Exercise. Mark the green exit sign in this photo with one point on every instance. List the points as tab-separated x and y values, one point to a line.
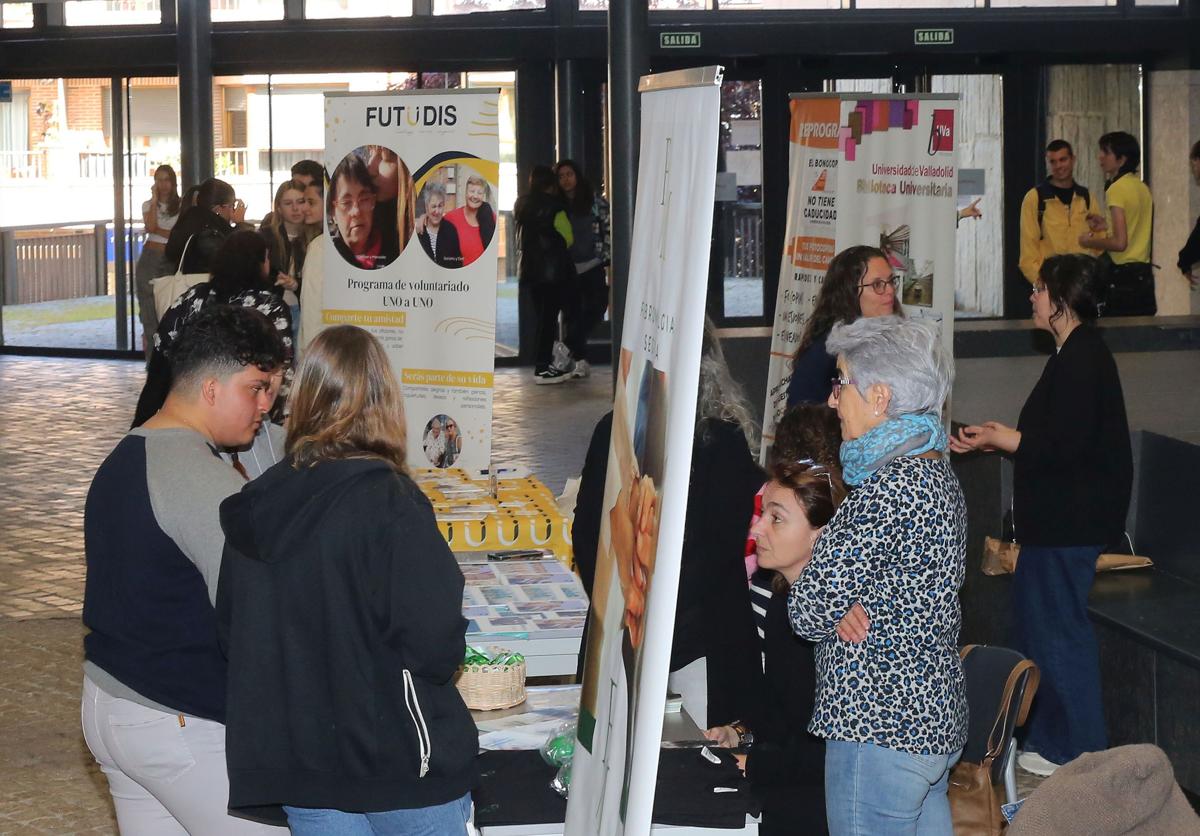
679	40
933	37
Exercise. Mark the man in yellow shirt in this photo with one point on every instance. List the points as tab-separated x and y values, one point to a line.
1054	213
1131	210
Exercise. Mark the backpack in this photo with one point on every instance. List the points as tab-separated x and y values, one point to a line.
1046	192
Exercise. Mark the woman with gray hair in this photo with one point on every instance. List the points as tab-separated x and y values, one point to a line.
880	596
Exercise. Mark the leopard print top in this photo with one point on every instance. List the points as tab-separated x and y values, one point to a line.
897	546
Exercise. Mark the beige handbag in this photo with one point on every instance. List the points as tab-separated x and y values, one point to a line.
169	288
1000	558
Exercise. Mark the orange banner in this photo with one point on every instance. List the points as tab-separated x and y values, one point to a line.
815	122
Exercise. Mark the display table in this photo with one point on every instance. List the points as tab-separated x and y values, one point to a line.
532	607
514	797
522	515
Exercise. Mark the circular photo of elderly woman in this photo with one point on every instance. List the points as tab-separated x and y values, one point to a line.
441	441
370	207
455	217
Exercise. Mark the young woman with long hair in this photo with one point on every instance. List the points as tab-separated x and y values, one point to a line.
159	215
340	606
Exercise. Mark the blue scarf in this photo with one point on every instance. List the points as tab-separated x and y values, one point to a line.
908	435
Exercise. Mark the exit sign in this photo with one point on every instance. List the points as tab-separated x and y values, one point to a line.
679	40
933	37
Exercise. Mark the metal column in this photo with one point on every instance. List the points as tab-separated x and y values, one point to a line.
120	262
569	112
194	38
628	27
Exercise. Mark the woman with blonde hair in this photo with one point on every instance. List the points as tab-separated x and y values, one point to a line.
474	220
339	606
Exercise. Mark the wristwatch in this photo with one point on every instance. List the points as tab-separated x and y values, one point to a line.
745	736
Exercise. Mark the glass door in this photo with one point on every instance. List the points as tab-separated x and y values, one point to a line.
56	215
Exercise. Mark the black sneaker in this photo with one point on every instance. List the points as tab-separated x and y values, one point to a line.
551	375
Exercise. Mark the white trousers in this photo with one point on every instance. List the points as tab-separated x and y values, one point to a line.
166	777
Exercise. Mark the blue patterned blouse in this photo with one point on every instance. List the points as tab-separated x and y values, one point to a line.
896	545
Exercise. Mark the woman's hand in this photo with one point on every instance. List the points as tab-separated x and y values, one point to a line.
1096	223
854	625
723	736
287	282
971	210
239	211
741	763
986	437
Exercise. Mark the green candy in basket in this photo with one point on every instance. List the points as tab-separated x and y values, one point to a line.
491	679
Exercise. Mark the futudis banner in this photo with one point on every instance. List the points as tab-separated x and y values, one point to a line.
410	214
865	169
649	460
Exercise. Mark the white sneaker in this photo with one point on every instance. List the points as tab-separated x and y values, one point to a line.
582	369
551	376
1035	764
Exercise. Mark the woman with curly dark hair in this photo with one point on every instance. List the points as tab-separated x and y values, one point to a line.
859	283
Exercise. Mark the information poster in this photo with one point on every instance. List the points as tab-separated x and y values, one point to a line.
411	256
865	169
649	462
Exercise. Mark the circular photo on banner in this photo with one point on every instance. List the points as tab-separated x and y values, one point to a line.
442	441
370	207
455	220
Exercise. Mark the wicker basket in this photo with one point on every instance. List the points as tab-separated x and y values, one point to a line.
487	687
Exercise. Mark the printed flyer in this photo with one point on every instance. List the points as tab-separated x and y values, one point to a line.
878	170
412	254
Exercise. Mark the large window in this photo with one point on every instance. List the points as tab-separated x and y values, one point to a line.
317	9
979	274
16	15
739	219
56	210
109	13
234	10
462	7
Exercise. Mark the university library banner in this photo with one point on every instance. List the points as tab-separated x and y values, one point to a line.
412	254
865	169
649	460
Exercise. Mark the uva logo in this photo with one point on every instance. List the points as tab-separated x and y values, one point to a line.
941	132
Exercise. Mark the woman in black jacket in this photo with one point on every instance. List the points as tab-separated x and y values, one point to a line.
779	755
215	215
714	654
1073	472
546	268
340	606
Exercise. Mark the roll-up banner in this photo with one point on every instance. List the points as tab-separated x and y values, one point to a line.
865	169
410	213
649	461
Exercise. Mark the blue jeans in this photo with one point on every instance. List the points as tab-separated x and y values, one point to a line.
1051	627
440	820
874	791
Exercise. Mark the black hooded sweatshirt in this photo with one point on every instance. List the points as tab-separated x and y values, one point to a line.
340	609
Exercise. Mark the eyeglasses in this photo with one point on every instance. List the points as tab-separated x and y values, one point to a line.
1038	287
880	286
365	203
838	383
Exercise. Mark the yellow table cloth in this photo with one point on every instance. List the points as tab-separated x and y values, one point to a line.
522	515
